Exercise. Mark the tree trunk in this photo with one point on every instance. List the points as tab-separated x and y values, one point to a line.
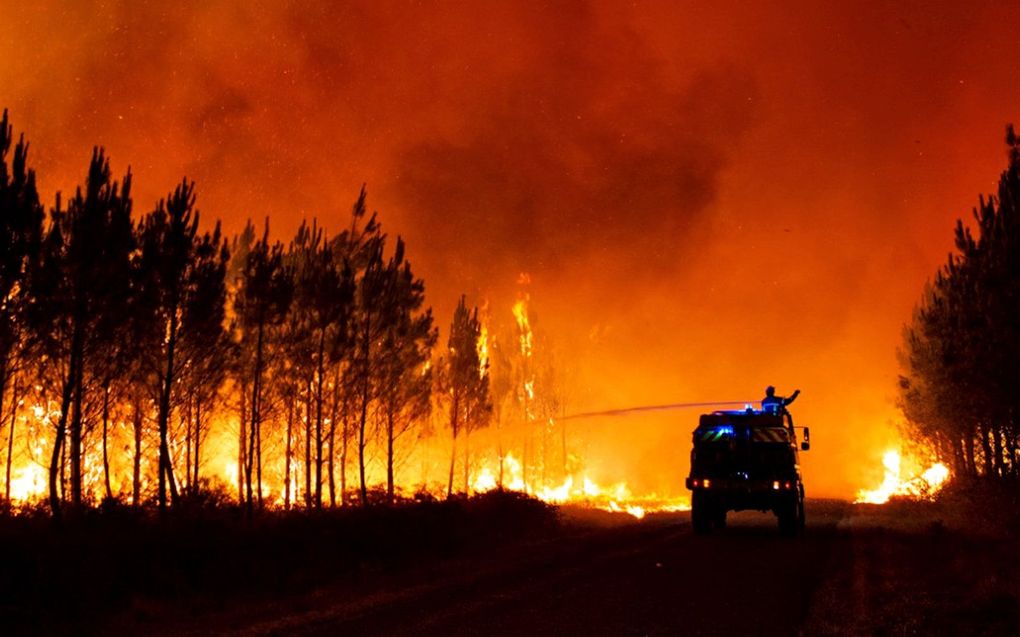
997	456
286	462
242	445
75	448
258	456
106	458
344	440
165	473
56	477
198	443
10	439
389	455
361	435
63	475
14	410
361	443
253	433
453	461
136	473
366	372
308	446
467	460
187	443
333	416
454	416
257	423
321	372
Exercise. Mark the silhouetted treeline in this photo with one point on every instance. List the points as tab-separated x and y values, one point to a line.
960	389
110	317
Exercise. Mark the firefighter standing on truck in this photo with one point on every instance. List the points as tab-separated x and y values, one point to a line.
776	404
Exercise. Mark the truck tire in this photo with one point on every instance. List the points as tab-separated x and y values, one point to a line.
701	514
719	517
789	515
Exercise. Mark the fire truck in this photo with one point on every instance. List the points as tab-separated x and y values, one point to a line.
747	460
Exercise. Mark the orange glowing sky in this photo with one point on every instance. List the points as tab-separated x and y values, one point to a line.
709	197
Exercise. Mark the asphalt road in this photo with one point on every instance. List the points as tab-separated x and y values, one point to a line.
858	571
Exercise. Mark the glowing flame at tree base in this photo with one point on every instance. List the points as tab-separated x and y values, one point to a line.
584	492
921	487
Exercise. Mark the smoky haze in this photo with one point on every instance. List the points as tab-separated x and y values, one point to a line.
707	200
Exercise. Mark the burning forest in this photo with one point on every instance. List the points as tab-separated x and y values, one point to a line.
174	364
389	317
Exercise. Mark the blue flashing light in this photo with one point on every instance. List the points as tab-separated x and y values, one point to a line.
725	429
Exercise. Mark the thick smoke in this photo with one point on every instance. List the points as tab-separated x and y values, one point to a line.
592	153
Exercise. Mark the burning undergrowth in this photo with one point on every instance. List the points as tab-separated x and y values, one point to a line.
901	483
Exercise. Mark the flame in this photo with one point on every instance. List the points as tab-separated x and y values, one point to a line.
483	349
921	487
586	492
520	311
230	474
530	471
28	483
29	477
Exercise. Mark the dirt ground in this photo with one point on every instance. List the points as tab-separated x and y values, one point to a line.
857	570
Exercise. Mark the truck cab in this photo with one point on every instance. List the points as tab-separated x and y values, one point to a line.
747	460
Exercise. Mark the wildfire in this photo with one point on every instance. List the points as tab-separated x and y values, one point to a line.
923	487
520	310
28	483
616	498
530	470
483	349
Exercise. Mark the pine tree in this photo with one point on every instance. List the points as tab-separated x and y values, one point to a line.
206	349
325	295
466	383
407	338
961	353
79	294
21	217
170	245
262	304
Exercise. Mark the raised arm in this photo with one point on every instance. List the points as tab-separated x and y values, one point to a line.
792	397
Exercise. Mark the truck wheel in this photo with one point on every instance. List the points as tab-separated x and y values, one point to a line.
789	519
701	515
719	518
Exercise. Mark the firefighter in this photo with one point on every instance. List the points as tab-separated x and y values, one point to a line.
774	403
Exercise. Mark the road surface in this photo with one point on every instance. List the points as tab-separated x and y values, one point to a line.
854	571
